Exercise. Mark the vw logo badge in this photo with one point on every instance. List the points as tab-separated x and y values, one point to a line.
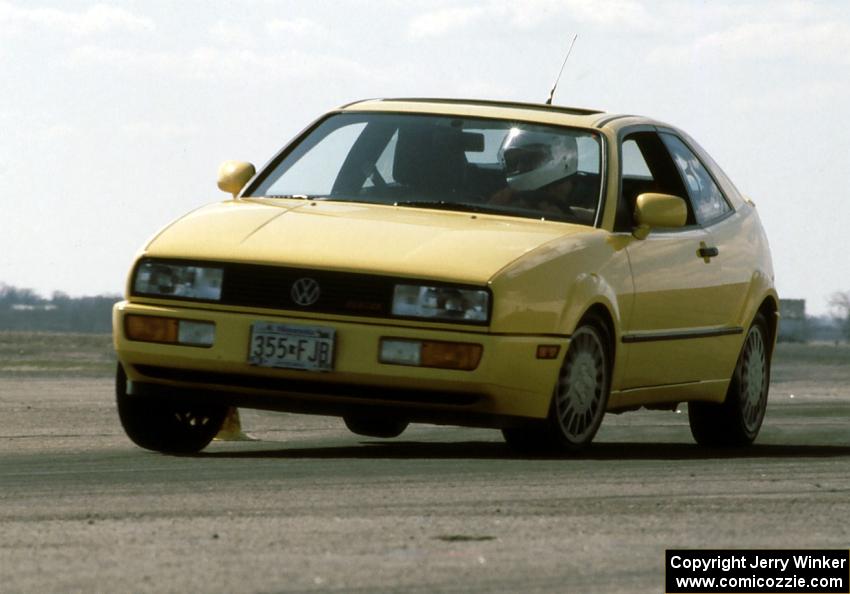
305	292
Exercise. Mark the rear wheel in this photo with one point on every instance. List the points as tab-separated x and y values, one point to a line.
161	425
375	426
737	421
579	399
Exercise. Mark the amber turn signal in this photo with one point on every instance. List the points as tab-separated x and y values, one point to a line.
169	330
451	355
548	351
430	353
151	329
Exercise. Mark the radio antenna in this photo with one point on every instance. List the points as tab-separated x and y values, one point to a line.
555	86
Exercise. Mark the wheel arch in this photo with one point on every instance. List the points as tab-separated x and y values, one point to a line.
769	308
760	297
590	292
599	315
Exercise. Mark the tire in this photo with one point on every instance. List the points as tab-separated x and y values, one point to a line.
579	399
385	427
160	425
738	419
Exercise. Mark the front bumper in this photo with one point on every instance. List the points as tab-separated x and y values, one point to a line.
510	381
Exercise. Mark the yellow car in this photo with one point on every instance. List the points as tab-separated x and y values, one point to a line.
491	264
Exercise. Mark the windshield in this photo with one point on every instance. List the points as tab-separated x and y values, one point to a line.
450	163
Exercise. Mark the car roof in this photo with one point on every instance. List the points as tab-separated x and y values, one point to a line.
533	112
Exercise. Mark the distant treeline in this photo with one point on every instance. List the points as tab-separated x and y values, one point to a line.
24	309
813	329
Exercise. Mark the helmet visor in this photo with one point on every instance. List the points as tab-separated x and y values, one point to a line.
525	158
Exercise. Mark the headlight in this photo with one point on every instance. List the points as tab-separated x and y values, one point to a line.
178	280
443	303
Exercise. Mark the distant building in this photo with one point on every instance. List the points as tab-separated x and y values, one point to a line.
792	321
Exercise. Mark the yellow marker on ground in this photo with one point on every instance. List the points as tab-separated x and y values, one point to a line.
231	429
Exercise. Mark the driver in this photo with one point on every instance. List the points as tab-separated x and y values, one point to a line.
539	169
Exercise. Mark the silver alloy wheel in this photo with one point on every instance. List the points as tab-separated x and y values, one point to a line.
753	379
582	385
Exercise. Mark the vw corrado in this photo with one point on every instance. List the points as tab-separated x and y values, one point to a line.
516	266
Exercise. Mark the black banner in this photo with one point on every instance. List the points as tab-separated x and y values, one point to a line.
757	571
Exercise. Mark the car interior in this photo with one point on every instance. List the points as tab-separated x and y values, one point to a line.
659	174
433	162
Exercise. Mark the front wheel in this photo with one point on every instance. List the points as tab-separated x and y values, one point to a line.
578	401
162	425
737	421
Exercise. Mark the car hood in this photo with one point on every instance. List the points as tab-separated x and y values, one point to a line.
369	238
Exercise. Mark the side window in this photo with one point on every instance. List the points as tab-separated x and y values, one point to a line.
634	165
707	199
646	166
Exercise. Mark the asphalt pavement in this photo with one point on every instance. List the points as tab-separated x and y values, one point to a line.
307	506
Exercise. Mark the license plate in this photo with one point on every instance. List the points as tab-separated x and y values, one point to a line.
291	347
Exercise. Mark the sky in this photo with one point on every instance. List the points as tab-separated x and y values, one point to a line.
115	116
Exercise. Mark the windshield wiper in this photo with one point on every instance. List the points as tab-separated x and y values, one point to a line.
503	210
293	196
448	205
317	197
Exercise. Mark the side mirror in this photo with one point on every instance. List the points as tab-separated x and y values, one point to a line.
233	175
658	210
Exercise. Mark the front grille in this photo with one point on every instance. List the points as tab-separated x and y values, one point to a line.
339	292
303	387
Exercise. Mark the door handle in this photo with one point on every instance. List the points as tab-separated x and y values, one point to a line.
707	253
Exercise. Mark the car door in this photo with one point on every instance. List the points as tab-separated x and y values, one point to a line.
728	242
678	314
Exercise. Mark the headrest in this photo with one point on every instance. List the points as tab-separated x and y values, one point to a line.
430	158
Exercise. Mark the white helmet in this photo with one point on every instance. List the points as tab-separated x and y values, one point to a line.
531	160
